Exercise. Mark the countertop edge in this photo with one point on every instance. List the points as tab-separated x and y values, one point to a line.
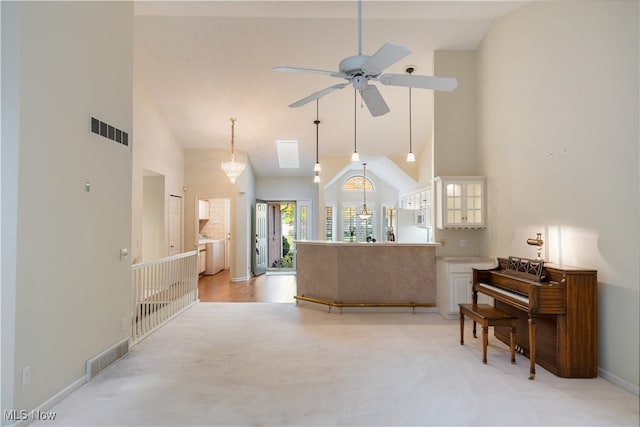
372	244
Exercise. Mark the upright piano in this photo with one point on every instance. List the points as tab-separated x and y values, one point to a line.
556	307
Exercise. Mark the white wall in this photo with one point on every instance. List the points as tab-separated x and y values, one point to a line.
559	140
155	150
71	287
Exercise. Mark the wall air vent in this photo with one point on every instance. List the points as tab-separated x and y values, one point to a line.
98	363
104	129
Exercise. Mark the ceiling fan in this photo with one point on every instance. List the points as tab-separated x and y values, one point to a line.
360	69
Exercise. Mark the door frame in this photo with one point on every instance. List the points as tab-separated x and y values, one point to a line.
260	241
172	240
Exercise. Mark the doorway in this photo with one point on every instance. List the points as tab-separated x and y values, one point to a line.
278	224
213	223
281	231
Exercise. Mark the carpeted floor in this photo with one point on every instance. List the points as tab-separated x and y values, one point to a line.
268	364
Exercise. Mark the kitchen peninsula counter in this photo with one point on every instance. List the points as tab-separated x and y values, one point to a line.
353	274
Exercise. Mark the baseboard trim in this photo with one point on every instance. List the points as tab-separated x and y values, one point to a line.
631	388
53	400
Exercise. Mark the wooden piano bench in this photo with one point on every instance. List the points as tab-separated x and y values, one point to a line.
488	315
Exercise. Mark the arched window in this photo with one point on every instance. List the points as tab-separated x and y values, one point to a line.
356	182
353	227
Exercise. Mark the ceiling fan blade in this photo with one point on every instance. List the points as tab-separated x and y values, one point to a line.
386	56
446	84
375	101
317	95
303	70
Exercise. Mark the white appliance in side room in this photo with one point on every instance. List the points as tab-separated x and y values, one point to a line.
215	257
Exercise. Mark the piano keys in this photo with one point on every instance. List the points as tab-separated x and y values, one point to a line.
556	307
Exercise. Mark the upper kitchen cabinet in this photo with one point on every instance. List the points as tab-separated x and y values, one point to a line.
419	199
460	202
203	209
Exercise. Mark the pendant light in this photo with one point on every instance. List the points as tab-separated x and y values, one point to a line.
232	169
355	157
317	168
410	156
364	211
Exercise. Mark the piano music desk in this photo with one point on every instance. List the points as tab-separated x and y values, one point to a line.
487	315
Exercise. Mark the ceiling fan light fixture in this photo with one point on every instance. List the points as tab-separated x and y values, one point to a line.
361	69
232	169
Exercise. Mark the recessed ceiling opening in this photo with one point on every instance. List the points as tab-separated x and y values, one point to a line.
287	153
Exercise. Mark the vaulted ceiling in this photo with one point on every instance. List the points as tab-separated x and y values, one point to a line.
204	62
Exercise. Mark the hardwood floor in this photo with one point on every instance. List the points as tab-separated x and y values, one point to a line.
264	288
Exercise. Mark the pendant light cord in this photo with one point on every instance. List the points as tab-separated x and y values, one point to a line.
364	185
317	122
233	122
410	144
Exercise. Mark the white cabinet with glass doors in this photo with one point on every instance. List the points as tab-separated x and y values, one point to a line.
460	202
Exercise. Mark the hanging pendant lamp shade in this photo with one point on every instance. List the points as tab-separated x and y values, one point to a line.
364	211
232	169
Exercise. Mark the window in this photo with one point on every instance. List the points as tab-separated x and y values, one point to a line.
356	182
328	223
303	223
355	229
390	220
349	224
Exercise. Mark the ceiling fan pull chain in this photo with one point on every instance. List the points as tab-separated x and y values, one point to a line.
355	157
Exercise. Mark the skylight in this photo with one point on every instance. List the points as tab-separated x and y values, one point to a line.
287	153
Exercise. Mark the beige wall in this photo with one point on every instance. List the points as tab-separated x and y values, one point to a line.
71	288
454	115
455	146
156	151
153	228
205	179
558	135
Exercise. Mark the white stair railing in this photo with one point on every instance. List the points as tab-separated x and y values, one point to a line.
161	289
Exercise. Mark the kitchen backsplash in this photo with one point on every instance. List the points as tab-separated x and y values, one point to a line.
215	227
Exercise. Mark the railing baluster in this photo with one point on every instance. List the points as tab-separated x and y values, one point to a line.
160	290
